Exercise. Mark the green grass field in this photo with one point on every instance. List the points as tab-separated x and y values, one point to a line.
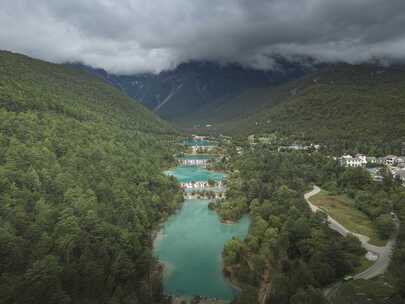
341	209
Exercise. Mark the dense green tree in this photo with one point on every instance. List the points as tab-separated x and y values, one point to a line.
310	296
287	244
81	188
385	226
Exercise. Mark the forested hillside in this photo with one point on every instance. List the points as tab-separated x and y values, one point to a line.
80	188
344	106
290	254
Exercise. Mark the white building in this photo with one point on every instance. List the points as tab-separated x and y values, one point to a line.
353	162
194	185
200	185
389	160
193	162
362	158
299	147
198	137
202	148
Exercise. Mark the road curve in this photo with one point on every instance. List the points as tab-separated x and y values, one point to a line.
383	253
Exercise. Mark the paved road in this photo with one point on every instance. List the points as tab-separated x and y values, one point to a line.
383	253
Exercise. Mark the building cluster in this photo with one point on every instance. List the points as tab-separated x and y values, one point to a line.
199	137
197	185
193	162
361	160
396	164
200	148
299	147
200	144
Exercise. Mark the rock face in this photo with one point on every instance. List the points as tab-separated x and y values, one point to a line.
191	86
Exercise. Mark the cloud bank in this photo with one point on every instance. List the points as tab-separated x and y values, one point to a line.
133	36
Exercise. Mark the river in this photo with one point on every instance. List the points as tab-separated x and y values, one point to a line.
190	244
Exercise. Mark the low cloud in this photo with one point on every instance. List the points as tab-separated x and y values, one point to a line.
133	36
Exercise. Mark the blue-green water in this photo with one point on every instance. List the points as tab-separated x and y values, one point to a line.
201	143
189	174
190	245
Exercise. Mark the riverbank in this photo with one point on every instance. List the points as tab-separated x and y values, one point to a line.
230	276
227	222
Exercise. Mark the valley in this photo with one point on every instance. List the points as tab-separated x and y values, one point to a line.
202	152
196	87
190	243
187	228
232	220
347	107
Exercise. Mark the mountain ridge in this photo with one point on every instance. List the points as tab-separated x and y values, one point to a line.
344	106
188	88
314	104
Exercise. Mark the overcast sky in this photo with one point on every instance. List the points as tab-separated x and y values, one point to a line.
131	36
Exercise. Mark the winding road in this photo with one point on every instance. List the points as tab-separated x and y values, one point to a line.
383	253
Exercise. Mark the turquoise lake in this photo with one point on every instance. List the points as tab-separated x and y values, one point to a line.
191	241
190	246
201	143
189	174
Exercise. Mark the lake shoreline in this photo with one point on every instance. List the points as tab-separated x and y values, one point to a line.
205	273
195	255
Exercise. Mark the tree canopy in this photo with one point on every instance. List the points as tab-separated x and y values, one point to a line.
81	188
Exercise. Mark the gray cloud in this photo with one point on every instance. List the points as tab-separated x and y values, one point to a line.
130	36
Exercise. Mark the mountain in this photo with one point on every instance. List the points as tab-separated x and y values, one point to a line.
81	188
178	94
345	106
61	89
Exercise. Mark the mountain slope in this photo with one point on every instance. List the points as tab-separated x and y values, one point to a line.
179	94
341	105
359	107
57	88
81	188
219	113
